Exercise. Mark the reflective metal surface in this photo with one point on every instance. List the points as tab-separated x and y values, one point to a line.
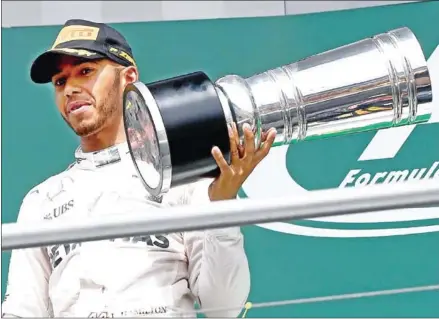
374	83
148	141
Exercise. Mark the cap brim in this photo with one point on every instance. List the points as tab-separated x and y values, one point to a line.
45	66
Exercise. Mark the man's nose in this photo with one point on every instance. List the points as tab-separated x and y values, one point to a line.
71	88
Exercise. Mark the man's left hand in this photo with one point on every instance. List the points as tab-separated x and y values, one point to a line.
244	159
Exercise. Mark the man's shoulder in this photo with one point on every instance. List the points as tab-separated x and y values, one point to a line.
45	187
33	206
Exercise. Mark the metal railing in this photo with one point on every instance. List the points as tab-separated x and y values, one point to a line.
321	203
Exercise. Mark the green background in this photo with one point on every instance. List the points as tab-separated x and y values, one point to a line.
37	144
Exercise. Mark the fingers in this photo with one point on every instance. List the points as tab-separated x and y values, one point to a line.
243	157
238	142
234	152
249	138
264	136
266	146
220	160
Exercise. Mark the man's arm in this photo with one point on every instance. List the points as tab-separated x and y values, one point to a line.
29	271
219	273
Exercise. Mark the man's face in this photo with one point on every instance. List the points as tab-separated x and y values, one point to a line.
88	94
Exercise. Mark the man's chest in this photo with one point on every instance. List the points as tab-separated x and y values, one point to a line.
79	198
134	250
82	195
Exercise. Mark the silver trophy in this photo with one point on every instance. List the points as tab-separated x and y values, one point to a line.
375	83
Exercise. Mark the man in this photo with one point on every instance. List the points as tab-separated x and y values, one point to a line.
89	66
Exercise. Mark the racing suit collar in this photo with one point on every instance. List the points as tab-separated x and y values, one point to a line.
104	157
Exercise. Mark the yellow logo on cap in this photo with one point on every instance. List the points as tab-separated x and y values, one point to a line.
122	54
76	32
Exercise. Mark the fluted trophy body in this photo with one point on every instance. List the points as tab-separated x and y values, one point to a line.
375	83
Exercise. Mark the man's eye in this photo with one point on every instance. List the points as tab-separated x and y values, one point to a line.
85	71
59	82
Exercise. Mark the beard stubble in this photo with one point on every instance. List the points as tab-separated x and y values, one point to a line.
106	110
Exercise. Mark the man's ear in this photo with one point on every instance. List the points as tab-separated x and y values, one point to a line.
130	74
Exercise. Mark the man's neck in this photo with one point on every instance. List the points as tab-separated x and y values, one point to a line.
103	139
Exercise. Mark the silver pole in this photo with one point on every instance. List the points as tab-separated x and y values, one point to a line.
321	203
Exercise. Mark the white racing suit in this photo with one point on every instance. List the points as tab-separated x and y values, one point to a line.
160	275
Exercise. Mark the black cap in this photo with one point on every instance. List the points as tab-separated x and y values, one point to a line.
87	40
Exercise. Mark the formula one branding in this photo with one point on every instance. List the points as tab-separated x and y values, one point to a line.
360	177
385	157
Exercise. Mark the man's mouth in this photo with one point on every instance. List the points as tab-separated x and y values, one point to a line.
76	107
